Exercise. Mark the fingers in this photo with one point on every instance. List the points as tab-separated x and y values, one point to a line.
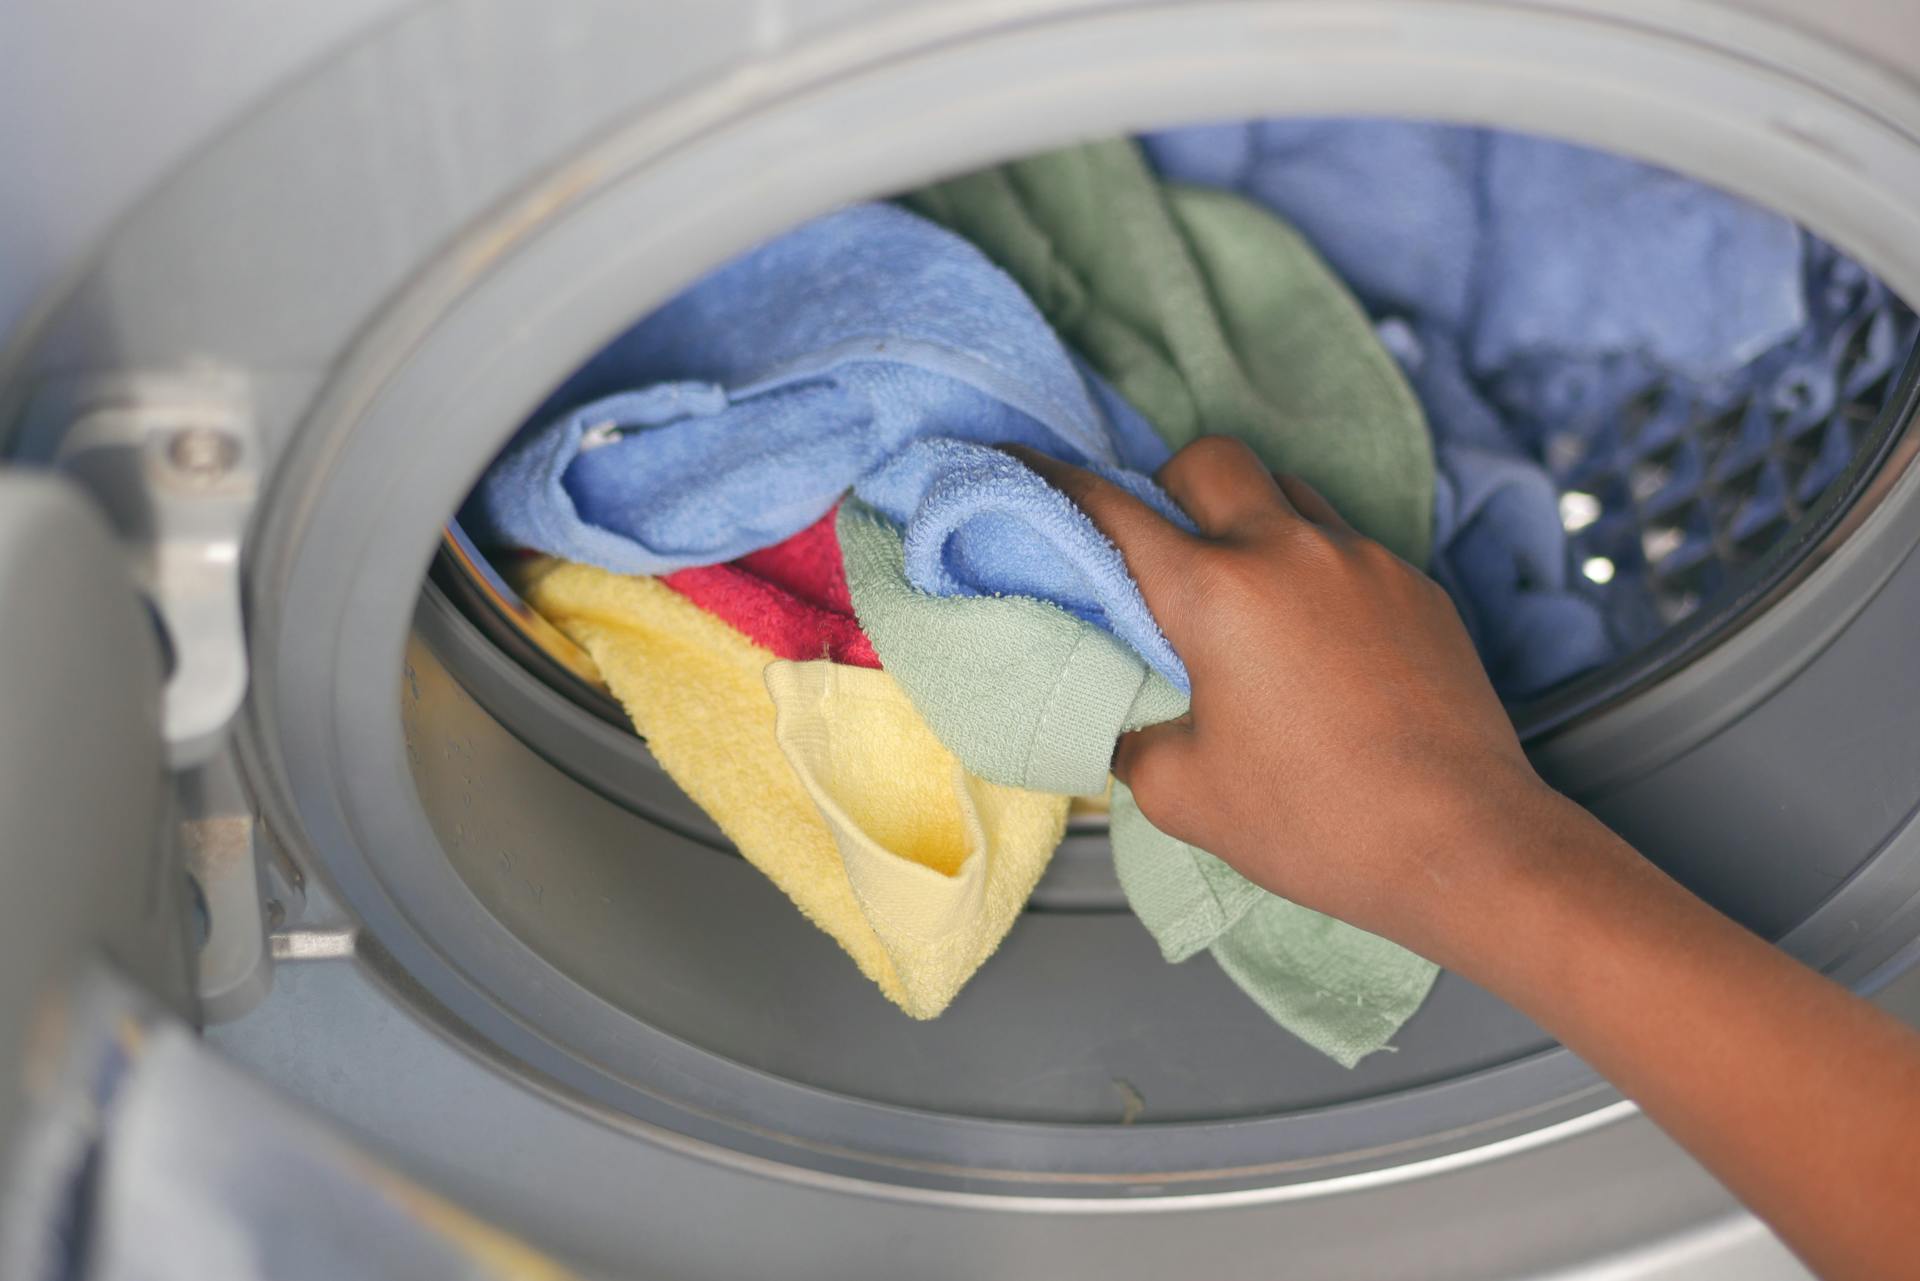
1153	761
1155	549
1307	501
1223	485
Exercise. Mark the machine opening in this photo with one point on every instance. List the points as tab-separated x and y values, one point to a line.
1637	427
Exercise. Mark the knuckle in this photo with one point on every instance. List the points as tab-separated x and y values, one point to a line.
1210	455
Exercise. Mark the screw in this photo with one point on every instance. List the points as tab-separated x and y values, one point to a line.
202	453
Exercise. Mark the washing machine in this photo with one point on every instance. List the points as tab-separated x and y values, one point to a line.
275	760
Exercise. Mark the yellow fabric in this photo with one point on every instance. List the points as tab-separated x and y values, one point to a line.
841	795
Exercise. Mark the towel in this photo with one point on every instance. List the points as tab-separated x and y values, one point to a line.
1021	691
1211	316
824	778
1028	696
1340	989
790	598
940	861
895	355
983	523
1519	245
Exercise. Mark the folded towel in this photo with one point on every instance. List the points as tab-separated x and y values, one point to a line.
1028	696
836	792
1520	245
871	349
1211	316
790	598
940	861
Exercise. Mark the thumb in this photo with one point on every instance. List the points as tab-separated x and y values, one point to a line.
1157	552
1154	763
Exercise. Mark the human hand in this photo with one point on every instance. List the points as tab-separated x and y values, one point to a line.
1344	748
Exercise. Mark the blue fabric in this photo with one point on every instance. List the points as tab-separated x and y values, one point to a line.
1526	285
1756	446
1506	565
1501	547
974	515
869	349
1517	244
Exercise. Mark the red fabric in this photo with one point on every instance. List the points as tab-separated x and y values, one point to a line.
790	598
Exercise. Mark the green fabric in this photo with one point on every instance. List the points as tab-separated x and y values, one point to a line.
1210	316
1024	693
1027	695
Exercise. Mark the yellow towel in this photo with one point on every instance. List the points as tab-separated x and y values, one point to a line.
823	776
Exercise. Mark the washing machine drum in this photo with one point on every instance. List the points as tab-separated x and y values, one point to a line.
314	336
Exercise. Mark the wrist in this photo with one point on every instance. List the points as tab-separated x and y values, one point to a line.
1527	869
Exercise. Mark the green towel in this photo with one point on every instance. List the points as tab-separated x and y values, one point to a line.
1029	696
1210	316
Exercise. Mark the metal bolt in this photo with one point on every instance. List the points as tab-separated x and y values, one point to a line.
202	453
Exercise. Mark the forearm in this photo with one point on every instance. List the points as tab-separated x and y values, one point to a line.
1803	1099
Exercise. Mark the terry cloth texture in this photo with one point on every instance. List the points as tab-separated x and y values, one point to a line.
1212	317
830	784
790	598
895	355
1026	695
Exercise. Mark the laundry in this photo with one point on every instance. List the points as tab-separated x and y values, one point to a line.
983	523
1212	317
1521	272
1729	460
790	598
1026	695
1338	988
823	777
1021	691
1504	557
1521	246
940	861
896	355
1506	568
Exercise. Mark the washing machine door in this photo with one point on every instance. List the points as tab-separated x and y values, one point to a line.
96	919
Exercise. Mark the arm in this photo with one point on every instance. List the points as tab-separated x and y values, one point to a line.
1345	750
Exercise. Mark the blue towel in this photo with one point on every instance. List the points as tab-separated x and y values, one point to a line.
1498	516
1517	244
869	349
974	515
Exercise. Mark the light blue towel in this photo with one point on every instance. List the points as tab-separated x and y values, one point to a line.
869	349
973	515
1520	245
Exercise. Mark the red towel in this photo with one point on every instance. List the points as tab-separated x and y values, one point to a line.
790	598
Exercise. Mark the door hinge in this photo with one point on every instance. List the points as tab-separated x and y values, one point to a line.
175	462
